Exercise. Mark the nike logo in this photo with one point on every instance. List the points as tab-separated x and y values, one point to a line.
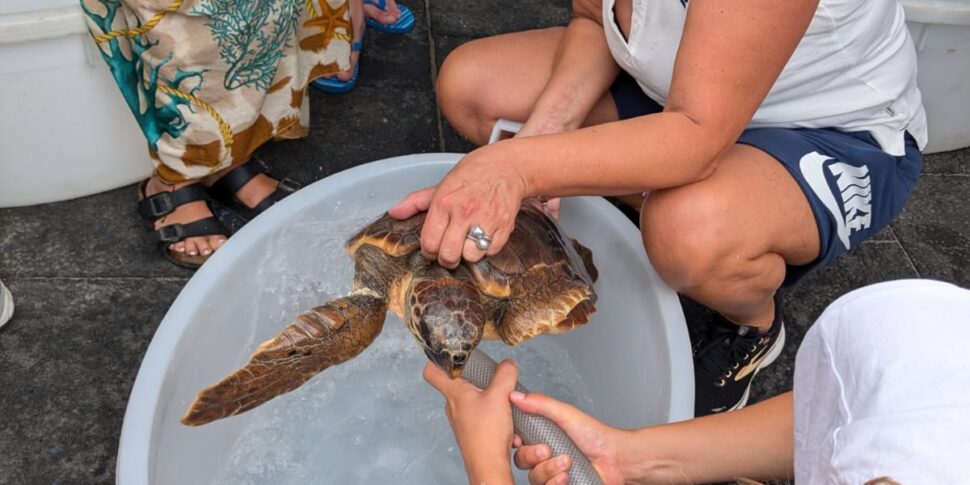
854	189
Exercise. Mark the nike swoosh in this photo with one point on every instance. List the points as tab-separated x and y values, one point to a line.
812	169
755	362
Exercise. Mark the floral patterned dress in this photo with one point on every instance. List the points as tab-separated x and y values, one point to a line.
209	81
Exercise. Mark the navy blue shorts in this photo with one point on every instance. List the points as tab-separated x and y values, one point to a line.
854	188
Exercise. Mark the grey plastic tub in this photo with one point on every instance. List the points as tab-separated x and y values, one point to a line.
633	358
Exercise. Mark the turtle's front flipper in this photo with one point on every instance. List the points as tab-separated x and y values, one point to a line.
325	336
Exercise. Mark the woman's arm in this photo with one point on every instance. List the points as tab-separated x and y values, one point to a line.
754	442
730	55
582	72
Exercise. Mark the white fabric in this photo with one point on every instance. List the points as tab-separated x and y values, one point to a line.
882	388
854	70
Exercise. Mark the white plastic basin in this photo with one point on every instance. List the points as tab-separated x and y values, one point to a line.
633	358
941	32
65	131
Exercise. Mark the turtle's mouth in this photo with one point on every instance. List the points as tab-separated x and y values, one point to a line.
450	362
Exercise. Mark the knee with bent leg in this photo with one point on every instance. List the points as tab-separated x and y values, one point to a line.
684	237
463	94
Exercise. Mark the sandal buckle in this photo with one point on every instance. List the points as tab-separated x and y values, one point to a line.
171	233
289	185
160	204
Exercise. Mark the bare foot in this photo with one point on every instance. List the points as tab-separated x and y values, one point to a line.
387	16
186	214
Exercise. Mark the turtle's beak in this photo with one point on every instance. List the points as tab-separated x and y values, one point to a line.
451	363
457	364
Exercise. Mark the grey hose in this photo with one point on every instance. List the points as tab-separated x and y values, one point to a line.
531	428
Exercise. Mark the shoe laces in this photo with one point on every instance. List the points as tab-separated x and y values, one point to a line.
728	348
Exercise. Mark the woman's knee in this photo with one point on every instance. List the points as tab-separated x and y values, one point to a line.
462	91
686	238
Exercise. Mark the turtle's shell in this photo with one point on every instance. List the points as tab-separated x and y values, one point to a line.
543	278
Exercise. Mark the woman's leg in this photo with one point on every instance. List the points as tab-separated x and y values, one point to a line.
502	77
725	241
206	108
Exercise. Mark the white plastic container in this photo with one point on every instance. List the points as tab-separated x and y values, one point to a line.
634	356
941	32
65	130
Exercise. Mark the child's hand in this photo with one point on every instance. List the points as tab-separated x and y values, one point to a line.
600	443
481	421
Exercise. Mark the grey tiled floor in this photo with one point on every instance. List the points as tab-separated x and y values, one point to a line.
90	293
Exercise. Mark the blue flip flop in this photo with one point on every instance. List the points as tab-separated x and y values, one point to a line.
334	85
403	24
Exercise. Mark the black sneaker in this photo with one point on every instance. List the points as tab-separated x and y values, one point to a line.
727	358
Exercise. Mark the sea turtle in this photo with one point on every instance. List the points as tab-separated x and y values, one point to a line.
541	282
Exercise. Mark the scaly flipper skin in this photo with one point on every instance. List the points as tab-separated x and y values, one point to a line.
323	337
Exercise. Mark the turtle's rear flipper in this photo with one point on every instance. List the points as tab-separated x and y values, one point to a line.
325	336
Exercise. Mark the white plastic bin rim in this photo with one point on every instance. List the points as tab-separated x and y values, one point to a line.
41	20
951	12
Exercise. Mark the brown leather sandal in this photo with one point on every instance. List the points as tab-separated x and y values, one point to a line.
153	207
224	190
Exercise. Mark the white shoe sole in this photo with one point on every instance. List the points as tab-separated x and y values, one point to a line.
770	358
7	312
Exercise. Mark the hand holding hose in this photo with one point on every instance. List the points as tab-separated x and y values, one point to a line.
482	423
600	443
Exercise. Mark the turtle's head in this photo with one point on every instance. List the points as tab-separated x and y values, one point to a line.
447	318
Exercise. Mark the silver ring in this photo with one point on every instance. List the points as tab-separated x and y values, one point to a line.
482	240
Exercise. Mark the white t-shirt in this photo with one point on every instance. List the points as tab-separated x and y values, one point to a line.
882	388
854	70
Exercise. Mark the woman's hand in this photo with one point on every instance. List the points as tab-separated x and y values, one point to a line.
484	189
601	444
481	421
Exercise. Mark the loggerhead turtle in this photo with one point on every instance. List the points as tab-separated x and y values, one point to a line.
541	282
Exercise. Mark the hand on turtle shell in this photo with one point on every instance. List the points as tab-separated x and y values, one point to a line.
481	190
600	443
480	419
